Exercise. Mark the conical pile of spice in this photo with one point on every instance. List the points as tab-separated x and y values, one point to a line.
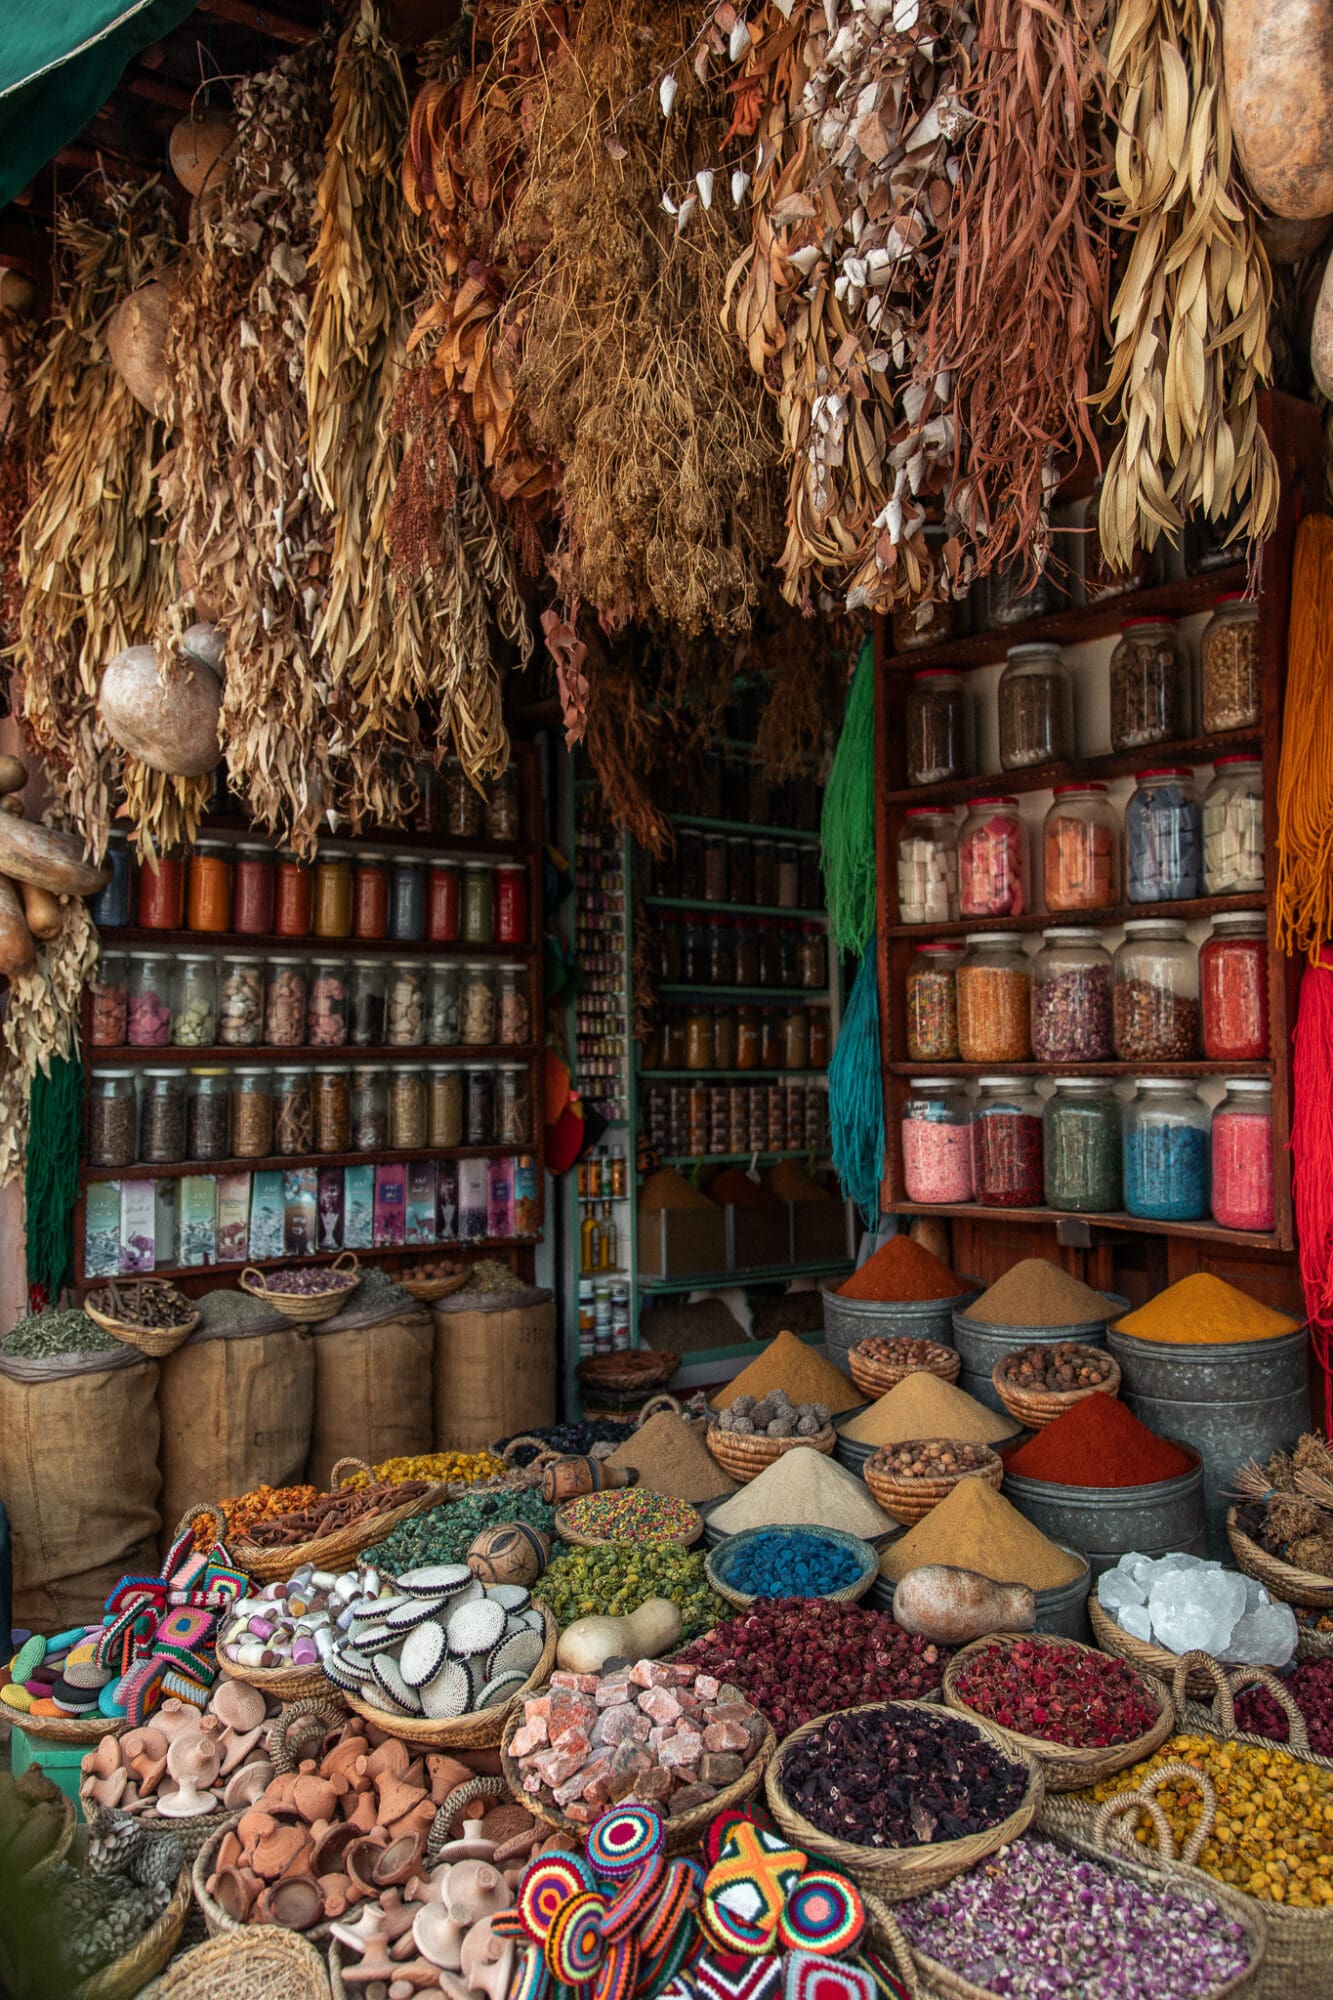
734	1189
1036	1292
806	1489
790	1182
902	1271
976	1528
1201	1310
1098	1442
922	1406
668	1189
670	1457
787	1363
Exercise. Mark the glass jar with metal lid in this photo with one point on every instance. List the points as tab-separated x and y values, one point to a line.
407	900
1166	1151
1156	993
994	987
927	867
162	1124
1011	595
253	903
109	1001
110	907
463	803
1072	998
1081	850
1164	838
241	1003
936	1141
332	910
405	1005
1233	828
407	1109
161	893
194	1002
366	1012
476	1027
252	1114
1036	705
370	1111
513	1019
208	898
112	1118
478	903
1233	987
208	1115
1242	1155
333	1108
294	892
934	727
1081	1147
148	1008
479	1127
445	1083
293	1112
513	1109
1150	685
1006	1144
1230	671
500	813
285	1002
993	860
327	1002
370	895
442	1006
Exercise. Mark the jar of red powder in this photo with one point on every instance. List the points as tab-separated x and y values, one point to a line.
253	891
1242	1195
1233	988
1006	1144
936	1143
162	893
293	897
442	902
209	899
993	860
511	905
370	896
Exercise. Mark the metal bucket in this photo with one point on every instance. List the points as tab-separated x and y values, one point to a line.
1109	1521
1063	1611
847	1321
1238	1400
981	1344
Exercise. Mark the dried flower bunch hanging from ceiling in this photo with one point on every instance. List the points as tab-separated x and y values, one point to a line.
41	1024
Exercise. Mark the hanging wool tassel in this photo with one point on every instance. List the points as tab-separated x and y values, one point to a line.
1312	1161
51	1183
847	829
856	1093
1303	896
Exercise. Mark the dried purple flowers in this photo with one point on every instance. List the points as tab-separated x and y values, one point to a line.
900	1777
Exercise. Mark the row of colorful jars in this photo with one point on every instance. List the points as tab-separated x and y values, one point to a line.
706	1038
1162	1157
1151	696
715	951
737	868
1176	845
150	1000
1159	999
246	890
165	1117
714	1118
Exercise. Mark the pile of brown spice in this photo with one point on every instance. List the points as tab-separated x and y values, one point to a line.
922	1406
1036	1292
976	1528
790	1182
671	1458
668	1189
787	1363
734	1189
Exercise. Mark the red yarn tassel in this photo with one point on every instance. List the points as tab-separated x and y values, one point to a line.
1312	1161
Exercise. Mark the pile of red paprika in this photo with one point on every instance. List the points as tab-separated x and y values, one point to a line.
1097	1442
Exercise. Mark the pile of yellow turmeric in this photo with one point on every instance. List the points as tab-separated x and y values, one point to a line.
1202	1310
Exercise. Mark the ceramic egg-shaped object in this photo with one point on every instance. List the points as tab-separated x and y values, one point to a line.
511	1552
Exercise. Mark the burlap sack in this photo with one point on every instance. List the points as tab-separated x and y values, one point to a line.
495	1367
372	1387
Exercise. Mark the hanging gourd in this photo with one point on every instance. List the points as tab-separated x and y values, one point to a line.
197	148
1321	336
1278	63
171	725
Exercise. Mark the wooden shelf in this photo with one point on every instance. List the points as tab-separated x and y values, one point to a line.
144	1170
368	1258
1076	626
421	1056
783	833
235	827
720	1281
1124	1071
728	1075
229	945
976	1211
1199	909
1079	770
733	909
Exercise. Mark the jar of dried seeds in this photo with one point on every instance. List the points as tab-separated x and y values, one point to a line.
112	1119
512	1106
333	1109
1156	1002
1036	707
370	1114
446	1106
407	1109
477	1008
293	1113
162	1118
1150	685
1071	998
512	1005
1230	674
252	1114
994	997
208	1115
932	1003
934	726
366	1023
1081	1147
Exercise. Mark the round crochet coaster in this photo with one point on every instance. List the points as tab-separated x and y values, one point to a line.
621	1840
824	1914
574	1943
635	1899
548	1884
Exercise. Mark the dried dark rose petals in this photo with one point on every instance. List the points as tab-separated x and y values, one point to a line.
1041	1688
900	1777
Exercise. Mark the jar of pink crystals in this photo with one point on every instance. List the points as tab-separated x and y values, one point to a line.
936	1141
993	860
1242	1195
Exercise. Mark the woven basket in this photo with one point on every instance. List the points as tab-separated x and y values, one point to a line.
127	1976
64	1840
582	1541
430	1289
683	1830
306	1307
1035	1408
101	1308
333	1551
480	1730
742	1600
899	1873
279	1683
744	1458
627	1376
910	1500
875	1378
1281	1579
1068	1767
1312	1645
264	1962
84	1730
1141	1653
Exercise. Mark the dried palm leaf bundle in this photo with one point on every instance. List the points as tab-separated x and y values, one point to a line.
1021	278
94	574
42	1023
1190	318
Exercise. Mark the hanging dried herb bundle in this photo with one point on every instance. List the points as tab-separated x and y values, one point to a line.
1020	284
42	1023
18	444
94	575
1190	318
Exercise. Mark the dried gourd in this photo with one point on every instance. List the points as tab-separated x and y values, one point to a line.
1278	65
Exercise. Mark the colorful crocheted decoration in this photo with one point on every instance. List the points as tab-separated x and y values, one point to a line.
574	1943
726	1976
532	1976
619	1974
548	1884
621	1840
811	1976
678	1895
823	1914
636	1898
747	1887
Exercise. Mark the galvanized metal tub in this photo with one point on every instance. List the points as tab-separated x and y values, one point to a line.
1063	1611
847	1321
850	1452
1238	1400
981	1344
1109	1521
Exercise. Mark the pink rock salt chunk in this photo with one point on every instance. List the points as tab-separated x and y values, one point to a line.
660	1704
586	1683
537	1708
581	1814
570	1718
641	1673
530	1737
654	1785
685	1747
725	1736
571	1789
619	1725
562	1679
532	1781
596	1780
611	1693
562	1764
706	1687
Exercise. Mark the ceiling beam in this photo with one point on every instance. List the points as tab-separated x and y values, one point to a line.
262	20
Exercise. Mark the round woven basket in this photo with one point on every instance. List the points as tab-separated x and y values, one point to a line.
721	1557
582	1541
101	1308
1281	1579
1035	1408
875	1378
744	1458
627	1376
279	1683
1067	1767
59	1848
1311	1644
480	1730
335	1551
261	1962
305	1307
1141	1653
683	1830
910	1500
126	1976
84	1730
899	1873
430	1289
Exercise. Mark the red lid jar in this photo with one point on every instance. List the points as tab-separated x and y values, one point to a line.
162	894
253	892
511	905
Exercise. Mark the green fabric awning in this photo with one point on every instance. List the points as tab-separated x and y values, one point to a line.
60	60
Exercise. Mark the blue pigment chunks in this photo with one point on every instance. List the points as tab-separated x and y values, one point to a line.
787	1564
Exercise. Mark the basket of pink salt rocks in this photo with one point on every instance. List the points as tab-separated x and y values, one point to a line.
655	1733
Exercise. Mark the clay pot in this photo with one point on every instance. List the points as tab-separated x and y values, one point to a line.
229	1852
438	1938
193	1760
342	1761
476	1890
240	1707
335	1891
488	1961
274	1854
359	1861
234	1890
110	1791
253	1826
394	1863
106	1759
246	1786
296	1903
332	1845
392	1757
314	1798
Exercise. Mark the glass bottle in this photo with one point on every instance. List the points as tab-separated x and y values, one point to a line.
1006	1144
1156	994
478	903
370	896
1233	828
1164	838
934	727
1081	1147
208	901
1036	705
936	1141
1150	685
1166	1153
1233	983
109	1001
1230	670
1081	850
442	1006
332	905
1242	1155
927	867
241	1003
327	1003
148	1008
370	1113
254	891
407	901
993	860
194	1002
285	1003
994	989
366	1019
1072	998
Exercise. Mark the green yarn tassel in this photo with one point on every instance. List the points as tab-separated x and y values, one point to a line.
847	827
856	1093
51	1187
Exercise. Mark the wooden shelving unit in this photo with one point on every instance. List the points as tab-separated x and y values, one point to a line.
1292	428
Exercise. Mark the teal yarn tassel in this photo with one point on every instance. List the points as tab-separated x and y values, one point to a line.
856	1093
51	1177
847	825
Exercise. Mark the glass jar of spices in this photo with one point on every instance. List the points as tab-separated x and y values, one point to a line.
935	1137
405	1005
690	864
932	1003
162	1117
512	1005
1242	1155
370	896
241	1003
927	867
162	894
513	1115
252	1114
1081	1147
1230	673
1036	705
443	902
993	860
695	952
715	868
1165	1153
770	1038
721	953
698	1039
1071	998
208	1115
747	954
795	1040
333	894
1156	994
333	1109
407	901
148	1008
446	1107
478	1105
110	907
933	727
366	1015
293	1113
724	1038
1164	838
478	903
327	1003
1233	983
463	803
747	1040
511	904
285	1003
1081	850
917	626
442	1006
812	958
254	891
1006	1144
109	1009
819	1037
770	953
765	862
1233	828
112	1118
208	900
500	813
789	876
1150	685
370	1111
194	1002
429	816
477	1007
1011	595
994	985
294	891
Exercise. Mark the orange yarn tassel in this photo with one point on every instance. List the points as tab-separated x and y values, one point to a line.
1303	895
1312	1162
